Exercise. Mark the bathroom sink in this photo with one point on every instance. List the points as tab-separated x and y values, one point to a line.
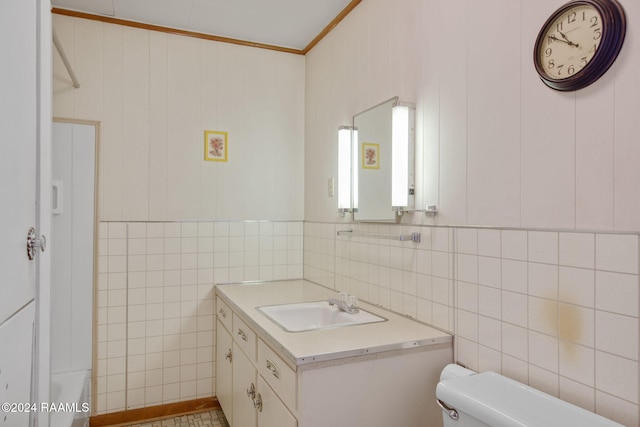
307	316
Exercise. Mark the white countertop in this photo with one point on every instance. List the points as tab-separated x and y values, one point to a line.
320	345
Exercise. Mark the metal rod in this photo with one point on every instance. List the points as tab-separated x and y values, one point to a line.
65	60
413	237
429	210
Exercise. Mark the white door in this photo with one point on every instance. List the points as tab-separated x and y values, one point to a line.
18	136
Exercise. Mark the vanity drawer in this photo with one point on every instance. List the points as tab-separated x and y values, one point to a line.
224	313
245	337
277	374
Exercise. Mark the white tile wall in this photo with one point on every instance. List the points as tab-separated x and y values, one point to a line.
556	310
414	279
155	301
569	318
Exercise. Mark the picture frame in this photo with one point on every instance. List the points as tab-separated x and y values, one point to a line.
370	155
215	146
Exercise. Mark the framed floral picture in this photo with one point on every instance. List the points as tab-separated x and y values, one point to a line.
215	146
370	155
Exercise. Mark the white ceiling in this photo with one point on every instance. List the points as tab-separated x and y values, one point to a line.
284	23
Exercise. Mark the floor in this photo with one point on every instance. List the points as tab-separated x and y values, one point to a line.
203	419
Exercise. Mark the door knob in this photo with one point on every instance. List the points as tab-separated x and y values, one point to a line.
34	242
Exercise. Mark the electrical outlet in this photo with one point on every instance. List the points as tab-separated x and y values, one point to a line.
331	187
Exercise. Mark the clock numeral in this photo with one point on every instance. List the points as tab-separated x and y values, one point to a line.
571	70
597	33
560	26
594	21
551	64
571	17
583	61
548	52
560	69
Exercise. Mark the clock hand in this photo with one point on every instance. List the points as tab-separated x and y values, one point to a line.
569	42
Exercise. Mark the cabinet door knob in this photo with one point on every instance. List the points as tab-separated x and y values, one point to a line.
257	402
251	391
242	335
273	368
228	355
222	312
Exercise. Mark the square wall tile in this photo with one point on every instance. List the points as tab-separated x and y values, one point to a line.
514	276
543	280
617	252
489	243
576	286
514	244
543	351
576	324
577	250
515	341
467	241
490	271
543	247
577	363
617	376
617	293
617	334
514	308
543	315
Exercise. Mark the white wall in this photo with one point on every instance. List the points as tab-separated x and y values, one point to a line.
495	146
546	291
172	224
156	94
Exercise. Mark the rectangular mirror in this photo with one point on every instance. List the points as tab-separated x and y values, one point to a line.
383	168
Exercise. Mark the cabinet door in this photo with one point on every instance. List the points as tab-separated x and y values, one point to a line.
224	372
244	377
274	413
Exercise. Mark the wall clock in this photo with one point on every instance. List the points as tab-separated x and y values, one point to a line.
579	42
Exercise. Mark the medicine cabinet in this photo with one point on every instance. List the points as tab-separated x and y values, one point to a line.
376	162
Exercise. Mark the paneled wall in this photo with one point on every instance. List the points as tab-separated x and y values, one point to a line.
155	95
495	146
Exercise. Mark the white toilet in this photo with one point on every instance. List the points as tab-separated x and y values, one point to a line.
489	399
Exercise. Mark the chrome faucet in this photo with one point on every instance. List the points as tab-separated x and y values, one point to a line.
346	303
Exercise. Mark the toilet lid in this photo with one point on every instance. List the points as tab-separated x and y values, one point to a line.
502	402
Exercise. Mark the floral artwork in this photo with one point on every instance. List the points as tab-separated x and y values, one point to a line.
370	156
215	146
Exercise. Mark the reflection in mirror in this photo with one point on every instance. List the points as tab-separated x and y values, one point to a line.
345	148
383	147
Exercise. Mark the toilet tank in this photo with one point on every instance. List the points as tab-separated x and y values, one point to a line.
490	399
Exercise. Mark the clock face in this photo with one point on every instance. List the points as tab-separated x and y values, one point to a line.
570	41
579	42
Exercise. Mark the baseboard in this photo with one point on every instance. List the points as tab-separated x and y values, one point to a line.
154	412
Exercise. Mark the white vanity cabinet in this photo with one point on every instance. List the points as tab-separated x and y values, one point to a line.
245	397
376	375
